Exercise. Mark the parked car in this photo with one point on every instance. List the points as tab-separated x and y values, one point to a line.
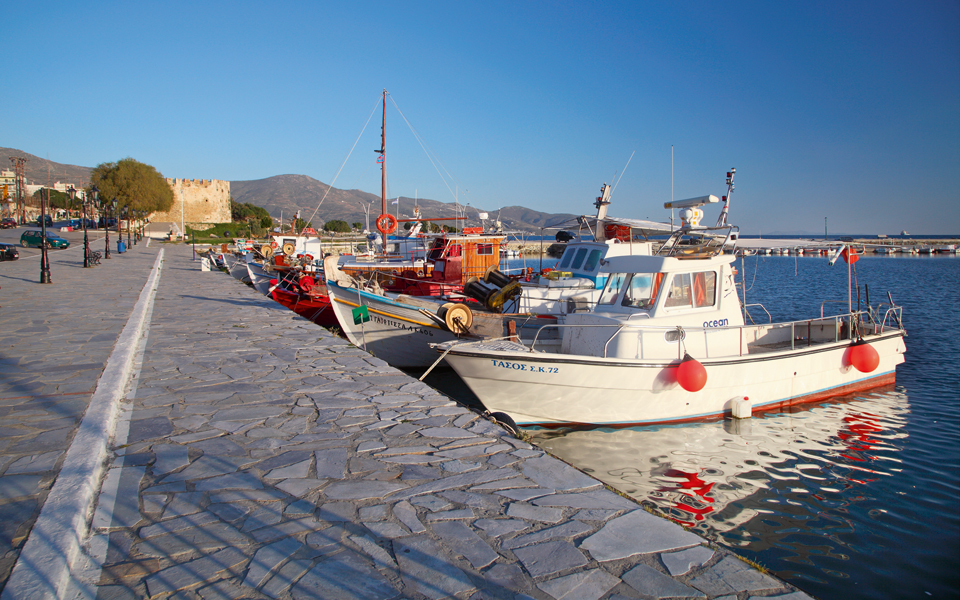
9	252
8	223
35	238
110	222
49	221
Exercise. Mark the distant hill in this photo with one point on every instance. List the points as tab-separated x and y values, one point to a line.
40	171
290	193
286	194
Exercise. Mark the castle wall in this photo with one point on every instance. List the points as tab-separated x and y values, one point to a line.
197	201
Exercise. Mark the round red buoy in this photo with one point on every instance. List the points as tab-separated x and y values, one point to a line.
863	357
691	375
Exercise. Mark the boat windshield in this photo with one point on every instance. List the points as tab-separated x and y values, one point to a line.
639	289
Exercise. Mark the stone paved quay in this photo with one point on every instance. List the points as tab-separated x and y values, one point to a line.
257	455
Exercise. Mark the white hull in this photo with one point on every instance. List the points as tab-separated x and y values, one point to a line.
239	270
259	278
536	388
395	333
400	334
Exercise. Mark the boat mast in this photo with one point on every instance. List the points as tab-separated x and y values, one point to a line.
382	158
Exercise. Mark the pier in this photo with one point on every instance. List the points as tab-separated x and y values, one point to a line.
169	432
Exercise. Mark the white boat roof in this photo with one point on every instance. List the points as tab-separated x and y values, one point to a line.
645	227
662	264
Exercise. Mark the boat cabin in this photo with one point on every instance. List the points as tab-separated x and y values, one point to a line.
579	268
646	299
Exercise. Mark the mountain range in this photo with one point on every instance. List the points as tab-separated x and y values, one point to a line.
284	195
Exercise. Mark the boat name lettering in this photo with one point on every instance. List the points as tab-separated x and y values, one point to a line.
391	323
523	367
716	323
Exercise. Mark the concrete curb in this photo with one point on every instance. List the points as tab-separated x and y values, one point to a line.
43	567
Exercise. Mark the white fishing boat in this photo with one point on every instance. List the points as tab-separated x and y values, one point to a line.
259	277
479	302
668	340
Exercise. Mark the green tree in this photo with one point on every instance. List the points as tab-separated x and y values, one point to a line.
337	225
358	226
56	199
133	184
266	222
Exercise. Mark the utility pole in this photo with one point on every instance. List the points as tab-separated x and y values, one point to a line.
20	187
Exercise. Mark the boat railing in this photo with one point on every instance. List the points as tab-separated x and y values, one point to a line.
764	309
892	315
825	302
795	334
707	246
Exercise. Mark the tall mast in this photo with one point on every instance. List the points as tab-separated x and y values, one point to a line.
382	160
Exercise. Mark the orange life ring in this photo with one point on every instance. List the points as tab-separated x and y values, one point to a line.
274	245
386	223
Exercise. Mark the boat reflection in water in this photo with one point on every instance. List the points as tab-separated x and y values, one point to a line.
777	488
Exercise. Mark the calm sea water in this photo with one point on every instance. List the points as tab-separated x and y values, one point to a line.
856	497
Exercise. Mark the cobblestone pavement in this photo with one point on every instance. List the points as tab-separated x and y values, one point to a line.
54	343
259	456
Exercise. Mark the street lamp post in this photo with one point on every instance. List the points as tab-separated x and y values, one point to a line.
111	204
119	232
129	213
44	261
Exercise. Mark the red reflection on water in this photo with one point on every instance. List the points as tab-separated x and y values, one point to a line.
857	435
694	488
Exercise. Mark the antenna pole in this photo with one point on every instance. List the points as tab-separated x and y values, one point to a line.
722	220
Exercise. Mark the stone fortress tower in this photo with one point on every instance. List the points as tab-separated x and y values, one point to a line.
197	201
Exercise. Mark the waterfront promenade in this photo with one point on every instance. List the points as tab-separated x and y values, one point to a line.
259	456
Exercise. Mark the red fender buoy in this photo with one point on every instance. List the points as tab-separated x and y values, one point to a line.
863	357
691	375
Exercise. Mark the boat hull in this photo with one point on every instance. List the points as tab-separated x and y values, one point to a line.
400	334
395	333
315	307
546	389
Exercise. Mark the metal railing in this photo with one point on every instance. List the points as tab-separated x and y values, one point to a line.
840	325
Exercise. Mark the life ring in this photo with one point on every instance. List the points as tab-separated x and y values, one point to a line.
386	223
274	244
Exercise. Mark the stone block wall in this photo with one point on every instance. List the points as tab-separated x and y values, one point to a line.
197	201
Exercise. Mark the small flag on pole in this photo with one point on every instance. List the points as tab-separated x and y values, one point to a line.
397	201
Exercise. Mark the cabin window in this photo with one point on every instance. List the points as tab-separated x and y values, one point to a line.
484	249
704	289
578	260
613	287
640	290
592	261
692	290
565	260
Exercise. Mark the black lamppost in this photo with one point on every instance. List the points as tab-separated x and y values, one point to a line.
83	218
129	214
112	205
119	231
44	261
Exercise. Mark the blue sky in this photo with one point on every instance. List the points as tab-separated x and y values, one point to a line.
848	111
